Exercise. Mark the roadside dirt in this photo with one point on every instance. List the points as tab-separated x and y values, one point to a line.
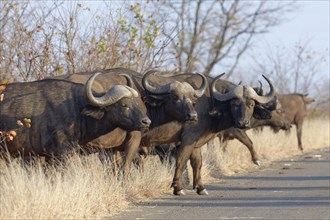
297	188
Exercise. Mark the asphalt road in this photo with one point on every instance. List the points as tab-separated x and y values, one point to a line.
298	188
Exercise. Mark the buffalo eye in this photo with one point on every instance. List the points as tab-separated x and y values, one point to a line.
124	105
250	104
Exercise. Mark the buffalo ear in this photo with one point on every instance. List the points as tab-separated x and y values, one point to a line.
261	113
93	112
153	100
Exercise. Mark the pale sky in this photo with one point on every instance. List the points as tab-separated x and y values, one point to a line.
310	23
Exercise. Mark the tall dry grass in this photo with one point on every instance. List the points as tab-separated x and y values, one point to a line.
85	188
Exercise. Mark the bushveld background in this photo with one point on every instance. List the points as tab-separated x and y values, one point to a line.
39	40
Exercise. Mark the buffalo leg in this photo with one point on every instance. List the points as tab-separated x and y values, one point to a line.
131	146
196	164
299	134
224	145
118	159
184	153
244	139
111	158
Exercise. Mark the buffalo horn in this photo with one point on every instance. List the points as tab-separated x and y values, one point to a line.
128	79
266	98
219	96
159	91
259	89
113	95
199	92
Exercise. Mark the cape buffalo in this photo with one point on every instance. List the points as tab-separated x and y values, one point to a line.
291	110
127	141
164	98
295	109
278	119
64	114
233	106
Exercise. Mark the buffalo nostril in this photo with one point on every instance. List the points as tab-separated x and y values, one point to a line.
146	121
243	123
192	116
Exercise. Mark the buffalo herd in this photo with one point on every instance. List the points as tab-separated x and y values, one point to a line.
125	111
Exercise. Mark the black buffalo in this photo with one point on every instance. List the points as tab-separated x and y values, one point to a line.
64	114
218	109
164	99
277	119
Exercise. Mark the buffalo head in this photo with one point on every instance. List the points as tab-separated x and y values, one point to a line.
177	98
118	105
277	117
243	100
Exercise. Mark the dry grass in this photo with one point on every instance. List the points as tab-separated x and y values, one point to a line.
85	188
269	146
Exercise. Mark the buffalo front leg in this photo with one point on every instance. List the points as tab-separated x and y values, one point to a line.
244	139
111	159
299	134
184	153
196	164
131	146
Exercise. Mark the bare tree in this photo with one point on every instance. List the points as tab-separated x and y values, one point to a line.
218	33
298	70
25	42
295	70
38	40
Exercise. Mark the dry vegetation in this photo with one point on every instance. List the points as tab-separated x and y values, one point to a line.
269	146
84	188
39	40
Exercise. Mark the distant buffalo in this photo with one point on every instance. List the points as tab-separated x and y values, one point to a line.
295	109
290	109
64	114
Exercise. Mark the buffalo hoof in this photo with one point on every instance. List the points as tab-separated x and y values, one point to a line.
257	162
202	192
179	193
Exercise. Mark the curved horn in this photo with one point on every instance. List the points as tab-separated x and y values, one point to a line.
133	91
150	88
128	79
217	95
114	94
266	98
199	92
259	89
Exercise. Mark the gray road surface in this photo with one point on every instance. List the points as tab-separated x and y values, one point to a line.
291	189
